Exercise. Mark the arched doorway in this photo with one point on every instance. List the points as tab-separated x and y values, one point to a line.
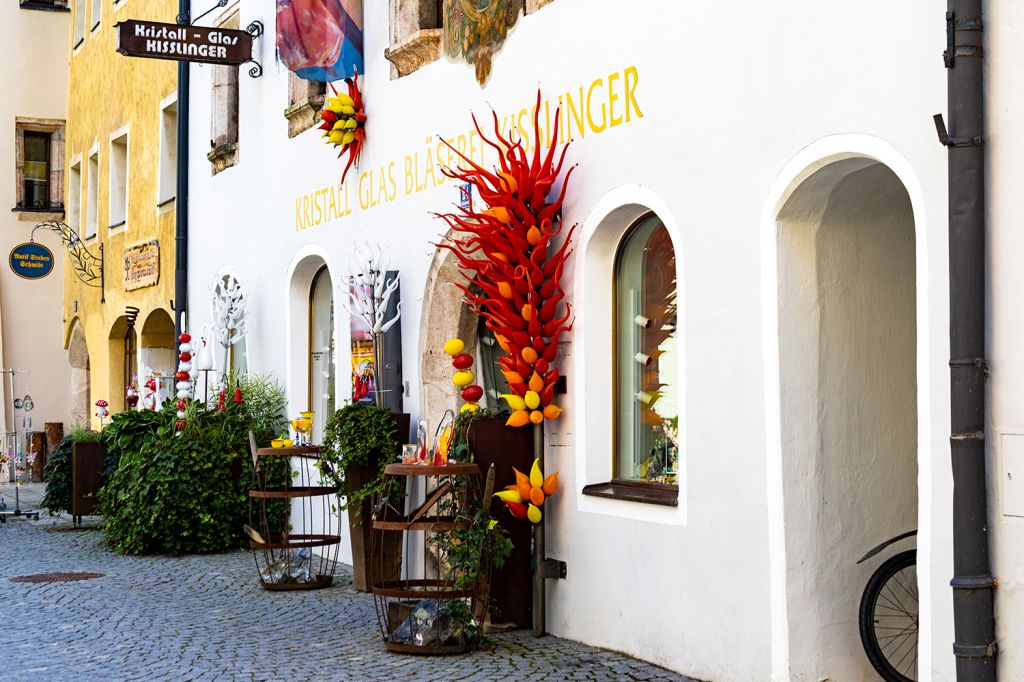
157	348
313	349
78	361
847	339
123	360
445	316
321	350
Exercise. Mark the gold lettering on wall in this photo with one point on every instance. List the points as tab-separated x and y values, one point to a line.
598	106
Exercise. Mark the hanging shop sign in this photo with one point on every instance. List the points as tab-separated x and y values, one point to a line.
141	265
31	260
321	40
156	40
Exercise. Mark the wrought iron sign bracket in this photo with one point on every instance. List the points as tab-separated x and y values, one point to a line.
255	29
88	267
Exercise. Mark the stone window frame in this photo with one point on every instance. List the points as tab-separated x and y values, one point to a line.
224	109
416	29
305	100
55	128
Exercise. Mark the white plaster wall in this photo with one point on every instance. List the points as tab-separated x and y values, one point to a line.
34	80
725	111
849	408
1004	26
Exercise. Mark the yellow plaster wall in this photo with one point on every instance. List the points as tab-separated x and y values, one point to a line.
108	91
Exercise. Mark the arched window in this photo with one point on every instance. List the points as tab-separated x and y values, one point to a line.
131	358
646	356
321	350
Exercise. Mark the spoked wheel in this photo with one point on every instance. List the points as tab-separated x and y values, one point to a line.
889	617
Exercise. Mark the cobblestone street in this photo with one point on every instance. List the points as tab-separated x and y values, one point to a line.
206	618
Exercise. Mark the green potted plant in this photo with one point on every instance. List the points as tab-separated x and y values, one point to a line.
359	442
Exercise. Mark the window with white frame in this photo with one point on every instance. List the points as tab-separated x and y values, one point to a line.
97	13
74	206
646	356
92	197
79	22
167	186
118	180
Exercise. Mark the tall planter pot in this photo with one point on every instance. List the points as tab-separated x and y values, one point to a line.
491	442
360	521
87	463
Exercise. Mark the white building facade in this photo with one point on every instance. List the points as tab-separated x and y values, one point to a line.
789	154
34	81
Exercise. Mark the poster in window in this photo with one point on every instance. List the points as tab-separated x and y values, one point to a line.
321	40
364	380
475	30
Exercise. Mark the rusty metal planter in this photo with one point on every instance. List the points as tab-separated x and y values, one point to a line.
285	560
427	581
87	461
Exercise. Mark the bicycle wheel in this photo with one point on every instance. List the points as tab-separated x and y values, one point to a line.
888	618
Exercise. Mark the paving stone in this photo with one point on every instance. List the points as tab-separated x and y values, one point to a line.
206	618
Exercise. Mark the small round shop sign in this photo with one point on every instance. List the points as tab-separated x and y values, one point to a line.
31	260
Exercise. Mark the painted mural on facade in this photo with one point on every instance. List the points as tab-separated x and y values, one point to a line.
474	31
321	40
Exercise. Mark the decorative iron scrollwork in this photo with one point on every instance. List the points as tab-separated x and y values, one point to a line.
87	266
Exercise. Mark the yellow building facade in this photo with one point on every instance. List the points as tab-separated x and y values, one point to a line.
120	163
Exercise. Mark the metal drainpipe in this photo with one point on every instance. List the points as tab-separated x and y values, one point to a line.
181	192
973	587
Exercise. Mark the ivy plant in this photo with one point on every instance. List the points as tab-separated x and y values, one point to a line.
358	435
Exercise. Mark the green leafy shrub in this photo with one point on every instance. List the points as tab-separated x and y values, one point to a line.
57	473
180	494
188	493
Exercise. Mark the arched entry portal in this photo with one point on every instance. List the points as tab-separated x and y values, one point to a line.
78	360
312	371
157	347
847	339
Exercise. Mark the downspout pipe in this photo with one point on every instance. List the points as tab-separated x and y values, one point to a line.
973	589
181	192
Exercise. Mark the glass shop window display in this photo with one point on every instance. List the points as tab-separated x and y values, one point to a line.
646	356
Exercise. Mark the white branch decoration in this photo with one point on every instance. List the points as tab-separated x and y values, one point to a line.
228	304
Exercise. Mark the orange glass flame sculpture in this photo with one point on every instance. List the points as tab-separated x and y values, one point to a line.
510	251
526	496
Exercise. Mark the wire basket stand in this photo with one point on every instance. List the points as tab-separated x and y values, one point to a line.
290	516
438	603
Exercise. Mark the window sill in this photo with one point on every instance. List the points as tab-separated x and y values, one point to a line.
222	157
418	50
636	491
166	201
30	213
44	6
117	226
303	114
